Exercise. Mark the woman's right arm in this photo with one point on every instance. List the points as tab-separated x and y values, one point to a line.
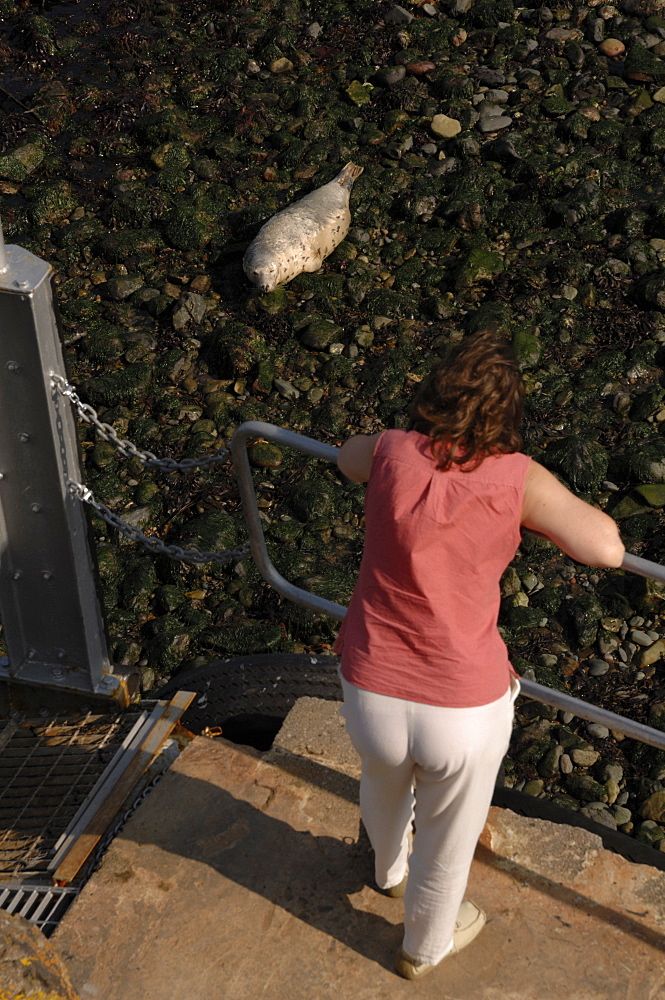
584	533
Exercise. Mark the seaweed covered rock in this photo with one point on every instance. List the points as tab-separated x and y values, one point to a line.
582	463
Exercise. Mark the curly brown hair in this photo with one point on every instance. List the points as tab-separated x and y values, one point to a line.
471	403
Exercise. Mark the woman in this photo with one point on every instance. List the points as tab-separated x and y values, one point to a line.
428	687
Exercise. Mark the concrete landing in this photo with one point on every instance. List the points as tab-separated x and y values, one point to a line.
243	876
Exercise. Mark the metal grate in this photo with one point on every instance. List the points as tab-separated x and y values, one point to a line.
43	905
48	769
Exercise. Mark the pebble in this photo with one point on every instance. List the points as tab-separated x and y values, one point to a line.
390	76
600	814
612	47
641	638
494	124
610	772
418	68
607	645
445	127
490	77
636	621
595	729
281	65
498	96
397	15
621	815
583	758
653	653
565	763
659	96
286	389
597	668
489	110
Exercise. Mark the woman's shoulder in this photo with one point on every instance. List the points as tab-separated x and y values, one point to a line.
398	443
510	468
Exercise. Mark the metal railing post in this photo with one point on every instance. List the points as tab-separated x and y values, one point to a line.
253	429
48	585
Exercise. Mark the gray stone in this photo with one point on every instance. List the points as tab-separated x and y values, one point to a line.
390	76
595	729
621	815
610	771
583	758
119	289
488	110
286	389
498	96
494	124
566	764
190	308
607	644
320	334
641	638
599	815
598	667
397	15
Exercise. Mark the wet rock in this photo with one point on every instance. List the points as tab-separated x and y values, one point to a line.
21	162
612	47
119	289
390	76
281	65
653	807
398	15
320	334
583	757
653	654
585	788
359	93
478	265
265	455
190	308
494	123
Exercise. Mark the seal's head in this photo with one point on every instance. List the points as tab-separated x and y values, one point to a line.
261	271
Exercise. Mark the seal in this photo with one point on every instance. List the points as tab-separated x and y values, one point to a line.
301	236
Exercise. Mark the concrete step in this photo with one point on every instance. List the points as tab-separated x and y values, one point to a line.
243	876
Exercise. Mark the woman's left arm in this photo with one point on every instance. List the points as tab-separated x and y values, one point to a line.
355	457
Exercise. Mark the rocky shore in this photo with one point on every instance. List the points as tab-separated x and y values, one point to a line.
513	179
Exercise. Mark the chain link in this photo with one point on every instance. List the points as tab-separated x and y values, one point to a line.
155	545
127	448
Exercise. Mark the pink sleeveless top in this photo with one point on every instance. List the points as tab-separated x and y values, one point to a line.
422	623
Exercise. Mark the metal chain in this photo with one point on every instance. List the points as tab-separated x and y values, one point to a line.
125	447
155	545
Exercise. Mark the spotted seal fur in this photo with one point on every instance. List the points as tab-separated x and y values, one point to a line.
301	236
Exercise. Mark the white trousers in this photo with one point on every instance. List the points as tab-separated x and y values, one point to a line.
434	768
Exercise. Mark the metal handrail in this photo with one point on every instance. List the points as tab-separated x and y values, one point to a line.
258	429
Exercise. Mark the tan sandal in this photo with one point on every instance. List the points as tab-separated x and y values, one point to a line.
470	921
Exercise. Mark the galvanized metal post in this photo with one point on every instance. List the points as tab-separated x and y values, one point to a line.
48	585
